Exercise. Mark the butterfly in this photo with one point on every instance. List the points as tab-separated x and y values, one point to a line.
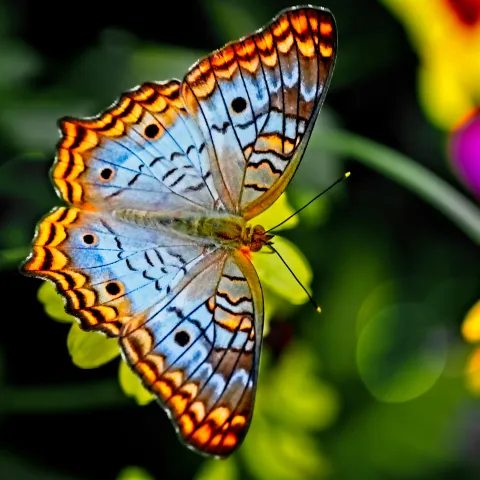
154	247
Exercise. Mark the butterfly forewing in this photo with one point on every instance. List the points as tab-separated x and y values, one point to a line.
198	352
256	101
144	152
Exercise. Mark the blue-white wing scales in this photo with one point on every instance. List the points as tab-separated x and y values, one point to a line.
106	269
198	351
144	152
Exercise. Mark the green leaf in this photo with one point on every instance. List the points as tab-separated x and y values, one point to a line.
159	62
30	124
90	349
297	395
301	451
292	401
18	63
11	257
132	385
230	19
134	473
53	303
272	452
218	470
276	213
275	275
270	307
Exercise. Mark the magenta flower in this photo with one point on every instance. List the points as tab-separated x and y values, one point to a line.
464	150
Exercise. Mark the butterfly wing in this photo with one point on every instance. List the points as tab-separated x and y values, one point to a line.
229	137
189	316
108	271
144	152
256	101
198	351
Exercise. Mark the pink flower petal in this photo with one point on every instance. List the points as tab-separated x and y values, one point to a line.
464	150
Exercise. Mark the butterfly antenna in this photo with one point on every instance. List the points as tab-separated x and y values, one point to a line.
312	301
311	201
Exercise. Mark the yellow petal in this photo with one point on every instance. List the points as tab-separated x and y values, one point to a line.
90	349
132	385
276	213
53	303
442	94
449	76
275	275
471	324
473	372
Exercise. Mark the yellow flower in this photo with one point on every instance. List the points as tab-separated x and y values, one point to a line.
471	333
92	350
446	34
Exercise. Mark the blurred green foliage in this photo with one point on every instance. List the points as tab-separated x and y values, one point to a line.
371	388
134	473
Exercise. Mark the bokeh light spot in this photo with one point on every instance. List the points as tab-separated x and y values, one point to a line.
400	355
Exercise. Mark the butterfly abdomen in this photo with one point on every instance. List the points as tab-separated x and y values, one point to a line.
215	228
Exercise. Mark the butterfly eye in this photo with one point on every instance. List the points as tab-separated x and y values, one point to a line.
106	174
151	131
89	239
113	288
182	338
239	104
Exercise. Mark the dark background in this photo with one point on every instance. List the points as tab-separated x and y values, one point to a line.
375	246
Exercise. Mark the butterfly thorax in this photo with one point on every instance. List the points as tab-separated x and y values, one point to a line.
222	229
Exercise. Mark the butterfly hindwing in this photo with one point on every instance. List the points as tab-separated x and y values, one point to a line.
198	352
144	152
256	101
106	271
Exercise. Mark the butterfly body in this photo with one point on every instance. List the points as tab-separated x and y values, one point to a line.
215	228
155	245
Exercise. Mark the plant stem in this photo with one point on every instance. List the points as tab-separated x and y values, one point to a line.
408	173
